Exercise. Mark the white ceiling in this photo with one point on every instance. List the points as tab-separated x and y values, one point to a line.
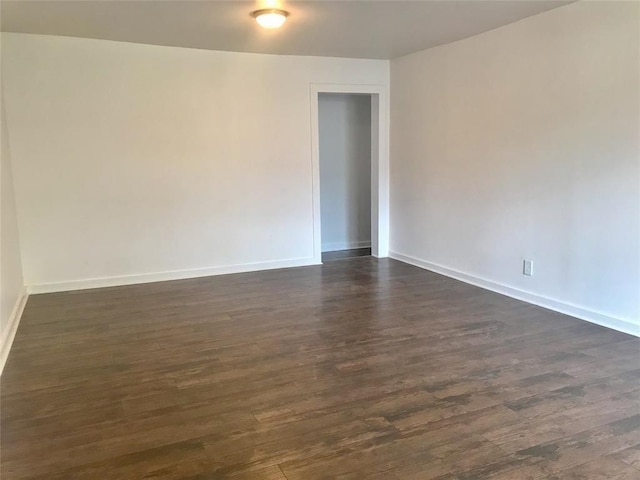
358	29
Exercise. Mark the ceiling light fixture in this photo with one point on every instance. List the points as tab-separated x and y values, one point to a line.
270	17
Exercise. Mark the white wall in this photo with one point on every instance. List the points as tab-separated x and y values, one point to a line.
132	160
345	170
523	142
12	295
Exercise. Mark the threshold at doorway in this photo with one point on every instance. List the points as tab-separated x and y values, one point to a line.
343	254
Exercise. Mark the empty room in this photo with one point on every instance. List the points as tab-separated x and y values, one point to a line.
314	240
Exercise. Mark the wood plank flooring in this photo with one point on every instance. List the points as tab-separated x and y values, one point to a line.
358	369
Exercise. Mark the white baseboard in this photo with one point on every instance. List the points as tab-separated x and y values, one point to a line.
598	318
165	276
12	327
336	246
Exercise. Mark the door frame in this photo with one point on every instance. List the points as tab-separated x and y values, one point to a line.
379	164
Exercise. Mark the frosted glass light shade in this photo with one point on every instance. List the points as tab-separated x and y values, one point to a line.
270	17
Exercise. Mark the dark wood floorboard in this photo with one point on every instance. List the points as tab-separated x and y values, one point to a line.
357	369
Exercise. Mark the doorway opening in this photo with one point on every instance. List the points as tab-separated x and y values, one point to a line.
350	171
344	123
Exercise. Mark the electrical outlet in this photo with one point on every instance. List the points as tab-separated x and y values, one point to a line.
527	267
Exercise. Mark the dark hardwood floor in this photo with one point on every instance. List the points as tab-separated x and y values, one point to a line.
359	369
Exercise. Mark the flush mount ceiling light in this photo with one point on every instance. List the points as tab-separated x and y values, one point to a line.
270	17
